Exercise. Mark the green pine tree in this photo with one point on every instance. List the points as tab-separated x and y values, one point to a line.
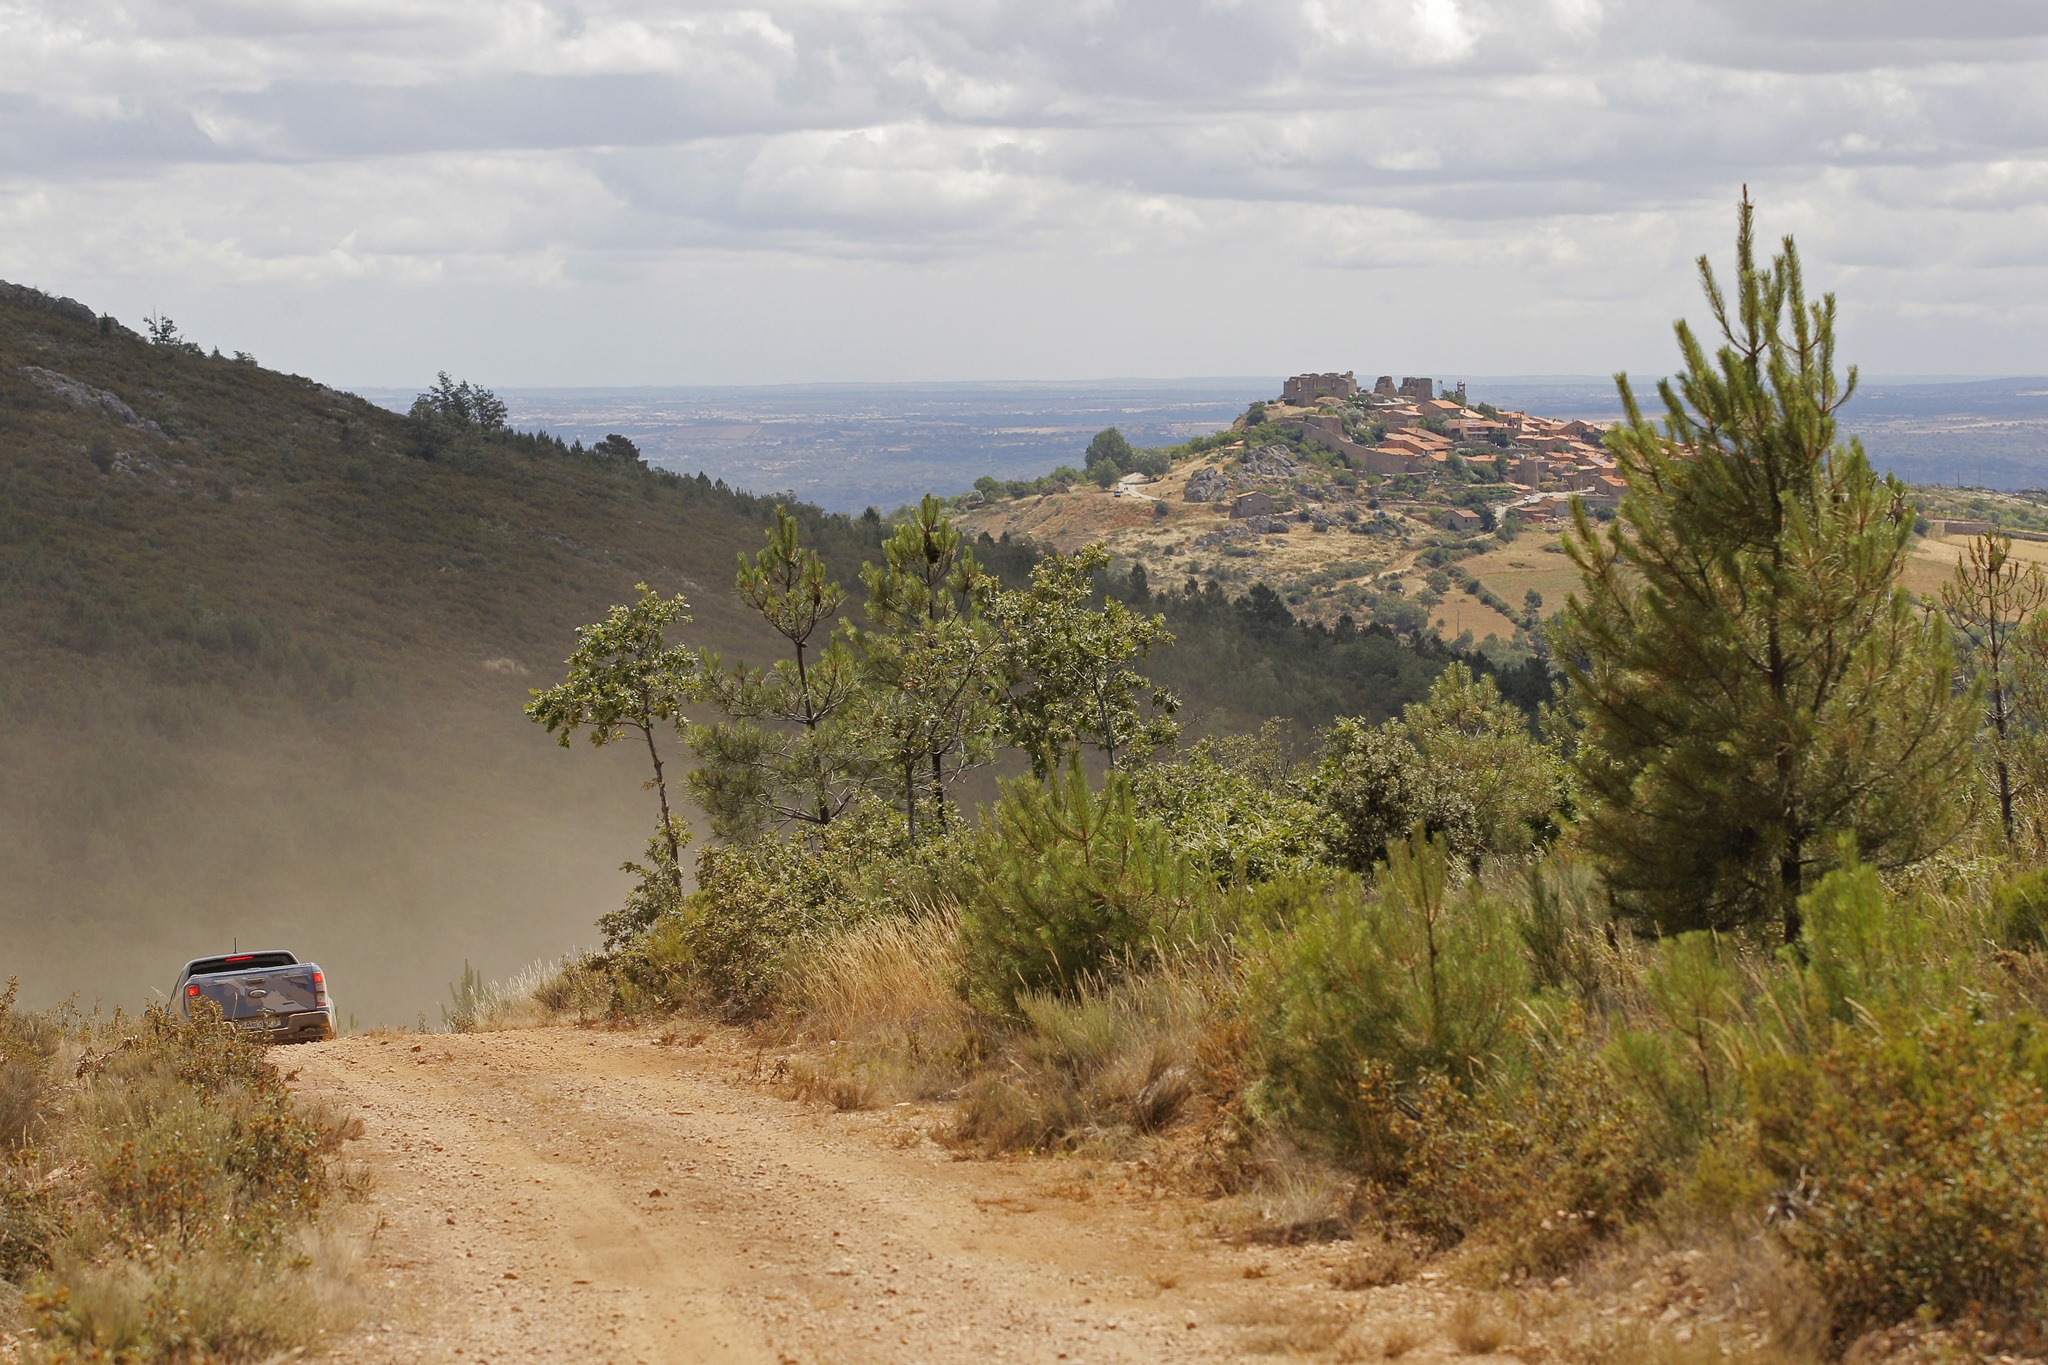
786	752
929	664
1748	675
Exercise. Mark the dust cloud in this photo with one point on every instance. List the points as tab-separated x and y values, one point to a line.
389	853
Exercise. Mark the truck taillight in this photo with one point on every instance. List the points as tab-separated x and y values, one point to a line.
192	991
319	978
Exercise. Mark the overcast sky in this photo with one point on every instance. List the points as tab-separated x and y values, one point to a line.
627	193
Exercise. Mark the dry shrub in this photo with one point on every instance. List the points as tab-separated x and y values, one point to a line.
209	1305
1375	1262
1115	1060
1729	1296
1915	1166
27	1043
166	1209
1476	1328
1399	1339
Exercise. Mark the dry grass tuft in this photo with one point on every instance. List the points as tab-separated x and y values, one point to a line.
1291	1199
23	1090
1375	1262
1399	1339
1478	1329
1273	1329
1117	1061
880	1005
572	988
889	981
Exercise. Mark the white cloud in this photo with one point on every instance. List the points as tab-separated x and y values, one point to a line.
1531	165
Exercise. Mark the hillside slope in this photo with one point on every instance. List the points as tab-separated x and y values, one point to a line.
262	667
263	647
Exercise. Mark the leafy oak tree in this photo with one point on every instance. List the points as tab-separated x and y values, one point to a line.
1071	680
1748	676
625	677
1461	764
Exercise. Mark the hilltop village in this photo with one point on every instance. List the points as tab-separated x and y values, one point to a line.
1407	429
1404	504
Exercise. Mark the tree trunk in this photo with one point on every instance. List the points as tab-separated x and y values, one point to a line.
668	826
1791	872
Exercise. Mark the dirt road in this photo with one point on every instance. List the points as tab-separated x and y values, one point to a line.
565	1195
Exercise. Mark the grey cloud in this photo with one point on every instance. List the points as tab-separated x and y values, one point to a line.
1525	136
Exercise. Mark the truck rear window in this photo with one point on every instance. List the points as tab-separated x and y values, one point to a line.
241	962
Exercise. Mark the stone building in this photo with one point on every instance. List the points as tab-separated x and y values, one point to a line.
1421	390
1305	389
1250	505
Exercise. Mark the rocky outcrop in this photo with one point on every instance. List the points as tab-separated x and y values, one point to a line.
1225	535
86	396
1269	462
1207	485
48	303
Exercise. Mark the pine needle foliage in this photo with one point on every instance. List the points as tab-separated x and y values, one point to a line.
1989	600
1068	884
1748	674
1367	994
785	753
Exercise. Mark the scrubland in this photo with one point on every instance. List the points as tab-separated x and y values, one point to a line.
1840	1145
163	1196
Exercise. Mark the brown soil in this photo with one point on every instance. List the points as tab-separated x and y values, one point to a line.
567	1195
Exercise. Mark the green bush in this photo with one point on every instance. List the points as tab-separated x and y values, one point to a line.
1066	885
759	907
2020	908
1238	822
1914	1160
1417	979
1866	950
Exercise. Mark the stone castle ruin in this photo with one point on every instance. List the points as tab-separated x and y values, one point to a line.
1420	389
1305	390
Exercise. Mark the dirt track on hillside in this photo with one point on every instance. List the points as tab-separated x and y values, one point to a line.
568	1195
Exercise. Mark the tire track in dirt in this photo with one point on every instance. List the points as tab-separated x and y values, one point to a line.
596	1196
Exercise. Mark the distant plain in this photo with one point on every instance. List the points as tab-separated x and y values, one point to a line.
849	446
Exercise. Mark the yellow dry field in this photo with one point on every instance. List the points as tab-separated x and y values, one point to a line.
1512	570
1934	561
1458	613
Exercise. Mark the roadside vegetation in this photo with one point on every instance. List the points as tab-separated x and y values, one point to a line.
1731	952
163	1196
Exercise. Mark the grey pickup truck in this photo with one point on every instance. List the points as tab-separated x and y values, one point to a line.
270	994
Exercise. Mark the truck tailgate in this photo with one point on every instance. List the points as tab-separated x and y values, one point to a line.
255	995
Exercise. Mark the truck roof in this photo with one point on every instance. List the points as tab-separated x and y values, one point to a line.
239	962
